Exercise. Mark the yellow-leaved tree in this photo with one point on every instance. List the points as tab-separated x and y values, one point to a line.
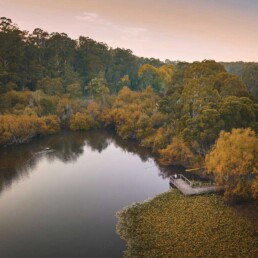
234	162
178	153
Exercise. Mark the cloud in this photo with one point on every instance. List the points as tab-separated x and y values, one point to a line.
125	33
134	33
93	18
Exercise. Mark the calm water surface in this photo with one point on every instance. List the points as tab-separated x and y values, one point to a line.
62	202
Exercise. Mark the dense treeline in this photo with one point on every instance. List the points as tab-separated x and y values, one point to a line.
56	63
248	72
178	110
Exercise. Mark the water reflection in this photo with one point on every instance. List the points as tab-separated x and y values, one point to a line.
17	161
66	190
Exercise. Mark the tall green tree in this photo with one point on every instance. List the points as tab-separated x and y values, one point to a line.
98	89
12	45
250	78
238	112
51	86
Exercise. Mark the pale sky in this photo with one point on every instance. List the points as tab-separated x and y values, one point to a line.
186	30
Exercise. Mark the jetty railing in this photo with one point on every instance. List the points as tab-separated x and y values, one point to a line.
186	186
193	184
185	179
181	177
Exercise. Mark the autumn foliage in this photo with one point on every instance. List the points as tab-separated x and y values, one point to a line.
234	162
177	153
18	129
177	110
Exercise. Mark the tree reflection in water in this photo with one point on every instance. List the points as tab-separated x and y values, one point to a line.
17	161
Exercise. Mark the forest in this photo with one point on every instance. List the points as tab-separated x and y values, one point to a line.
198	115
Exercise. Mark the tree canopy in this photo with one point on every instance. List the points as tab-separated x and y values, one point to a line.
234	161
49	81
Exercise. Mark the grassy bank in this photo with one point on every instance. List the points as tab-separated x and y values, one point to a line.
171	225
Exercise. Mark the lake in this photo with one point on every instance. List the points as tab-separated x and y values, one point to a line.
59	195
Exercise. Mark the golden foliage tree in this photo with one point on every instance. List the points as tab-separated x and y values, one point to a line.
50	124
80	121
177	153
88	119
18	129
159	78
234	162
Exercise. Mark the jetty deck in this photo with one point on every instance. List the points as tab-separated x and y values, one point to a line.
185	186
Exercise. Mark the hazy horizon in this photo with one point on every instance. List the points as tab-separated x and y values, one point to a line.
192	30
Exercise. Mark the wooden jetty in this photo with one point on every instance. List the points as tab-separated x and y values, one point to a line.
186	187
